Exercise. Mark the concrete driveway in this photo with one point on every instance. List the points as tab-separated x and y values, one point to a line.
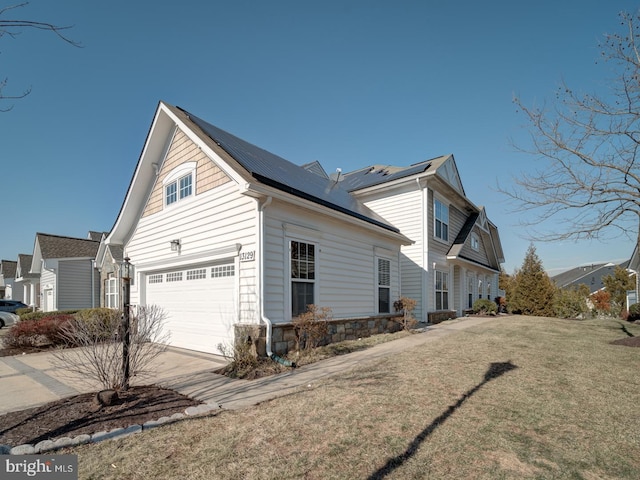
31	380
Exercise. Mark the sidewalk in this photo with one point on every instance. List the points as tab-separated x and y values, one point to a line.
233	394
30	380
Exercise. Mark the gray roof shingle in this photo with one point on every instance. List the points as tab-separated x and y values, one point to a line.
55	246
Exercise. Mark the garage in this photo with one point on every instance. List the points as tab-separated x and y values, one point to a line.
200	303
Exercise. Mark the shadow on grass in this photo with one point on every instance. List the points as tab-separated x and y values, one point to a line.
495	370
623	327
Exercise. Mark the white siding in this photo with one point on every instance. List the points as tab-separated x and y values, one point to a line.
48	282
212	221
404	209
345	262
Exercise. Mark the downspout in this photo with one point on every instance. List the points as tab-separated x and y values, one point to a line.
93	287
424	251
261	263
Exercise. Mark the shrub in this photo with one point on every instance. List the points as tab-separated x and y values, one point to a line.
311	327
571	303
39	314
23	311
242	356
634	312
406	306
601	301
45	331
485	306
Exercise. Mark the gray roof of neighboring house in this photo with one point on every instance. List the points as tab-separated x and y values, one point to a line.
276	172
589	275
24	264
8	268
97	236
55	246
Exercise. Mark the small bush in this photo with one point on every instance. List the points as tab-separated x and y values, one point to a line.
311	327
23	311
46	331
39	314
571	303
484	306
242	356
634	312
406	306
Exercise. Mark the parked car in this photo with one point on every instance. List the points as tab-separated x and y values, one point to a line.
11	305
7	319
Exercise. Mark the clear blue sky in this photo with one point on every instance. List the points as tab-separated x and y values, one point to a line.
347	83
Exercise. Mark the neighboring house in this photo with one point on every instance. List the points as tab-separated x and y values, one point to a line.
456	255
589	275
108	262
634	267
222	232
64	268
7	280
27	282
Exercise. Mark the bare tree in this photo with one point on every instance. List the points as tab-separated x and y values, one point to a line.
98	358
13	28
588	180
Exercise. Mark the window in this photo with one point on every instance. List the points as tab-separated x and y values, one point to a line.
155	278
197	274
475	242
442	290
384	286
174	277
223	271
178	189
480	291
111	293
470	291
489	290
441	212
303	275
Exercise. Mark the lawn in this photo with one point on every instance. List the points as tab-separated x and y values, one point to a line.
519	397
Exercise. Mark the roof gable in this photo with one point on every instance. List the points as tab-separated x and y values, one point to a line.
8	268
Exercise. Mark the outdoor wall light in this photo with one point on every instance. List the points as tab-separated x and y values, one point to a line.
175	245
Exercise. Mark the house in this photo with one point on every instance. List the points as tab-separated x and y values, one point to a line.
27	282
7	279
589	275
108	261
223	233
634	268
64	269
456	255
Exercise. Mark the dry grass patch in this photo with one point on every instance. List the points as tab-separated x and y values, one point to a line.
519	397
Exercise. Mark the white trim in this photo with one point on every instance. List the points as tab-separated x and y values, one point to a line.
195	258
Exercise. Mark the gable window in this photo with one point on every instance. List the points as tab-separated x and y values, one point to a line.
442	290
178	184
475	242
441	214
384	285
111	293
303	276
178	189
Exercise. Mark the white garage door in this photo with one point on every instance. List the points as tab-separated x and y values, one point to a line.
200	303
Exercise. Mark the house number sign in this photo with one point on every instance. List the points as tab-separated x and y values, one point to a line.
248	256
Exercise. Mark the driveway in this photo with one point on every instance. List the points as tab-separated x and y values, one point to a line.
31	380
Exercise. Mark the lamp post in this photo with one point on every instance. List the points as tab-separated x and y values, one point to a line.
126	330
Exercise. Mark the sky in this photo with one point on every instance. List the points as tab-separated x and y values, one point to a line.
349	83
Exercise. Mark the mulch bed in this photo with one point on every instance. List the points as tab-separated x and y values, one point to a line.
628	342
82	414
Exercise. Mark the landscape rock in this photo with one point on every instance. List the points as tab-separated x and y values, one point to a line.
106	398
44	446
5	449
25	449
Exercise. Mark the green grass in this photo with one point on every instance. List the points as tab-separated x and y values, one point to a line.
562	405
